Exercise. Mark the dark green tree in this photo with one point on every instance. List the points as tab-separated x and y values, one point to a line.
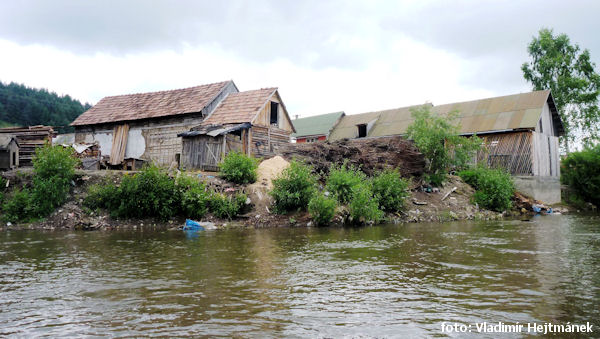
568	71
25	106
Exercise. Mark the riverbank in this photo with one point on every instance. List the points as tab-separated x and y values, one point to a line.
450	202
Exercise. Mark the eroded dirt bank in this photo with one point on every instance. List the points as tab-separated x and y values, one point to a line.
452	201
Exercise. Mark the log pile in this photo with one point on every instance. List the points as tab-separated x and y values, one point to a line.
29	138
371	154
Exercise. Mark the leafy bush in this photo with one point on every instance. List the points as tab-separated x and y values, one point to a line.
103	195
581	171
439	141
239	168
227	207
390	189
194	198
150	192
294	188
17	208
53	171
494	187
342	181
322	209
364	207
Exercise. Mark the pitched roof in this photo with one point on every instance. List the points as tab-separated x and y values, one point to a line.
5	141
517	111
239	107
379	123
151	105
316	125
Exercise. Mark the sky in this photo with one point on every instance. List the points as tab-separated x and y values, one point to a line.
325	56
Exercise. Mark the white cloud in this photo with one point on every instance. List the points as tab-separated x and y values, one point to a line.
403	72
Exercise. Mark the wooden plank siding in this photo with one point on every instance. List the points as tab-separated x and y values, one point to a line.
511	151
546	160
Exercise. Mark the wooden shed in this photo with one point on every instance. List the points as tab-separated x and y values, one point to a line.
252	122
9	152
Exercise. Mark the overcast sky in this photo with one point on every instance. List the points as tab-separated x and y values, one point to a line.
324	56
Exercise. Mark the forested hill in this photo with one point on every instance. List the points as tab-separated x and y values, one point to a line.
24	106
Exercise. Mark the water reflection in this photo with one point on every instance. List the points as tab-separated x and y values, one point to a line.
392	280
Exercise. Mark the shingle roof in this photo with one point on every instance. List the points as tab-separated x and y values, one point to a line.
239	107
316	125
517	111
150	105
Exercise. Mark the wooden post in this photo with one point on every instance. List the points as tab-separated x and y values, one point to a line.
249	141
224	145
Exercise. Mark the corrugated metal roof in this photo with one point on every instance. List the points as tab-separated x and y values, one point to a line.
150	105
388	122
518	111
316	125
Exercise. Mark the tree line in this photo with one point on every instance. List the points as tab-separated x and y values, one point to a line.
25	106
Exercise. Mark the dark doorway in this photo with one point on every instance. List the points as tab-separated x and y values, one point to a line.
274	112
362	131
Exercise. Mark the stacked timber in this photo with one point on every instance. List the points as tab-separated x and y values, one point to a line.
29	138
370	154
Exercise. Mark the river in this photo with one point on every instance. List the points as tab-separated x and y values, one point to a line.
384	281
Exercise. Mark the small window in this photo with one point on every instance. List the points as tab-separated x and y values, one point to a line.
541	128
274	112
14	159
362	130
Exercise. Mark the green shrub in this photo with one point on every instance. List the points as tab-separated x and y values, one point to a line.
342	181
54	161
104	195
53	171
439	141
322	209
16	208
150	192
193	196
227	207
239	168
294	188
390	189
494	187
364	207
581	172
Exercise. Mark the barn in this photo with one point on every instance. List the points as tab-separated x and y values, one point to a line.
252	122
144	126
520	131
9	152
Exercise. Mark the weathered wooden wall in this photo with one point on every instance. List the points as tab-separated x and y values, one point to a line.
265	140
202	152
546	160
546	124
512	151
264	117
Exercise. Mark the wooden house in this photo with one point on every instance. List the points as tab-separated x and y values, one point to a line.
253	122
144	126
9	152
315	128
520	132
29	138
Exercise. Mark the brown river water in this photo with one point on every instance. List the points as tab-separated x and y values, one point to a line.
383	281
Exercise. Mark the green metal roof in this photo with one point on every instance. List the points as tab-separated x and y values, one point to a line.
316	125
518	111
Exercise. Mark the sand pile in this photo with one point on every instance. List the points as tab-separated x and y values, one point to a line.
266	172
